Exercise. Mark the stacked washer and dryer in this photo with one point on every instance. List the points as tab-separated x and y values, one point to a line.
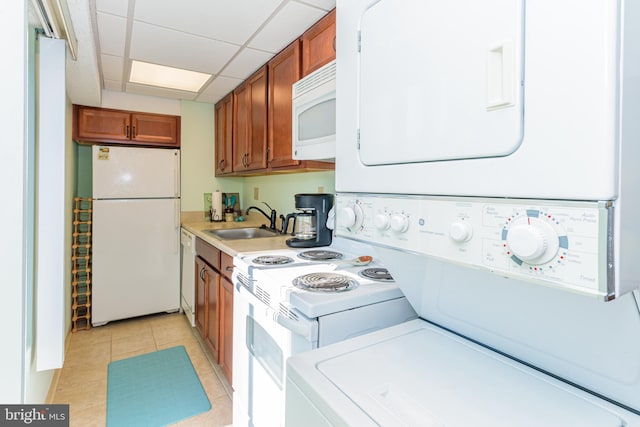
495	174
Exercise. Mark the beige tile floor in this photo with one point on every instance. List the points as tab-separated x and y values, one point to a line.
83	380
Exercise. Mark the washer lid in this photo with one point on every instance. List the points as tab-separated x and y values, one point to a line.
429	377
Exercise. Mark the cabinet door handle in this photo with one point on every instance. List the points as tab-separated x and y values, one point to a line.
202	271
221	165
229	268
126	131
333	44
133	133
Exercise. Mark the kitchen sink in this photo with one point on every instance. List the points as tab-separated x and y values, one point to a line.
242	233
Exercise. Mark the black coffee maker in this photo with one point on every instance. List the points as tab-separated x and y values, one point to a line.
310	225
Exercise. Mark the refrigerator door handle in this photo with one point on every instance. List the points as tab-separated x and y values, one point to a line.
176	224
176	175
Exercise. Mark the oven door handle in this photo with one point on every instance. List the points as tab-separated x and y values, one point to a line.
308	331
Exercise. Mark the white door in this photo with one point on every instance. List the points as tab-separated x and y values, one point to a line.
131	172
440	80
136	258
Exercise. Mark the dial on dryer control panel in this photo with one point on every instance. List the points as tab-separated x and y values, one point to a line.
561	244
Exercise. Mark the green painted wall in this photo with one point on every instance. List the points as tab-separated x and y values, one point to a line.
278	190
82	170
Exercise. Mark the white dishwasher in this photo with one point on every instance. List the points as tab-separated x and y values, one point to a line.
187	281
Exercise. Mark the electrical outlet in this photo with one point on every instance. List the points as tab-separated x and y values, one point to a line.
320	189
256	193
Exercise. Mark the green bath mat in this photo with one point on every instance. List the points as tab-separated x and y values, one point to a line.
154	389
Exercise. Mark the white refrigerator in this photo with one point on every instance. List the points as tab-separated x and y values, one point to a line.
136	232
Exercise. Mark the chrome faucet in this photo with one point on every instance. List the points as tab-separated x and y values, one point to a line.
271	216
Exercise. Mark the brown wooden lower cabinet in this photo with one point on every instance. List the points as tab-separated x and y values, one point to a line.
226	327
201	297
214	303
207	307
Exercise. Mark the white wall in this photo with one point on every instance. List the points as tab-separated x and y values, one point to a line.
13	86
148	104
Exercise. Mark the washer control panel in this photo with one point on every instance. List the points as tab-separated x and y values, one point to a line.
562	244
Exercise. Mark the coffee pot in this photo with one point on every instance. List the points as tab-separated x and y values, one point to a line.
310	224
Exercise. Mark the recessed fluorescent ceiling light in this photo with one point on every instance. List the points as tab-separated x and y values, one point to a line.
168	77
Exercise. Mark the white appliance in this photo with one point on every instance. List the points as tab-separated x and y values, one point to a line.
314	115
488	102
504	205
188	276
274	319
136	232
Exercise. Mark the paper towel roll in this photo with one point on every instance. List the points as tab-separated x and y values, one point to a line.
217	214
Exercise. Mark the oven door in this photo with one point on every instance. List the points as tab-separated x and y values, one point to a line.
261	346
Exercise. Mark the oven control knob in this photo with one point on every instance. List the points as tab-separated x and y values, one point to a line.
382	221
460	231
399	223
351	216
532	240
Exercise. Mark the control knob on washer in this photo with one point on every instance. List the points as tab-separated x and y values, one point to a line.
460	231
351	216
399	223
532	240
381	221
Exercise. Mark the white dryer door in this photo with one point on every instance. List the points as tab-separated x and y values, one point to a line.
440	80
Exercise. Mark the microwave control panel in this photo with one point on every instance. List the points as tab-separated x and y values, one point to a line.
561	244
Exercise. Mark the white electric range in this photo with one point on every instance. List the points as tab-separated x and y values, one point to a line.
290	301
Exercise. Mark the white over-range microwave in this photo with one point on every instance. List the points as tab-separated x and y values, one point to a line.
314	115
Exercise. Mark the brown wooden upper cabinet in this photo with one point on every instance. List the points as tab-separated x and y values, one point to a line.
284	70
102	125
224	135
254	122
319	44
250	123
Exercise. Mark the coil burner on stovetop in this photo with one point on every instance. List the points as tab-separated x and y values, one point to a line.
325	282
378	274
272	260
320	255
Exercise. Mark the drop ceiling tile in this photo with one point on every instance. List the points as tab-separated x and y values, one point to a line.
112	85
247	61
322	4
114	7
231	21
112	67
159	92
163	46
112	32
220	86
284	27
